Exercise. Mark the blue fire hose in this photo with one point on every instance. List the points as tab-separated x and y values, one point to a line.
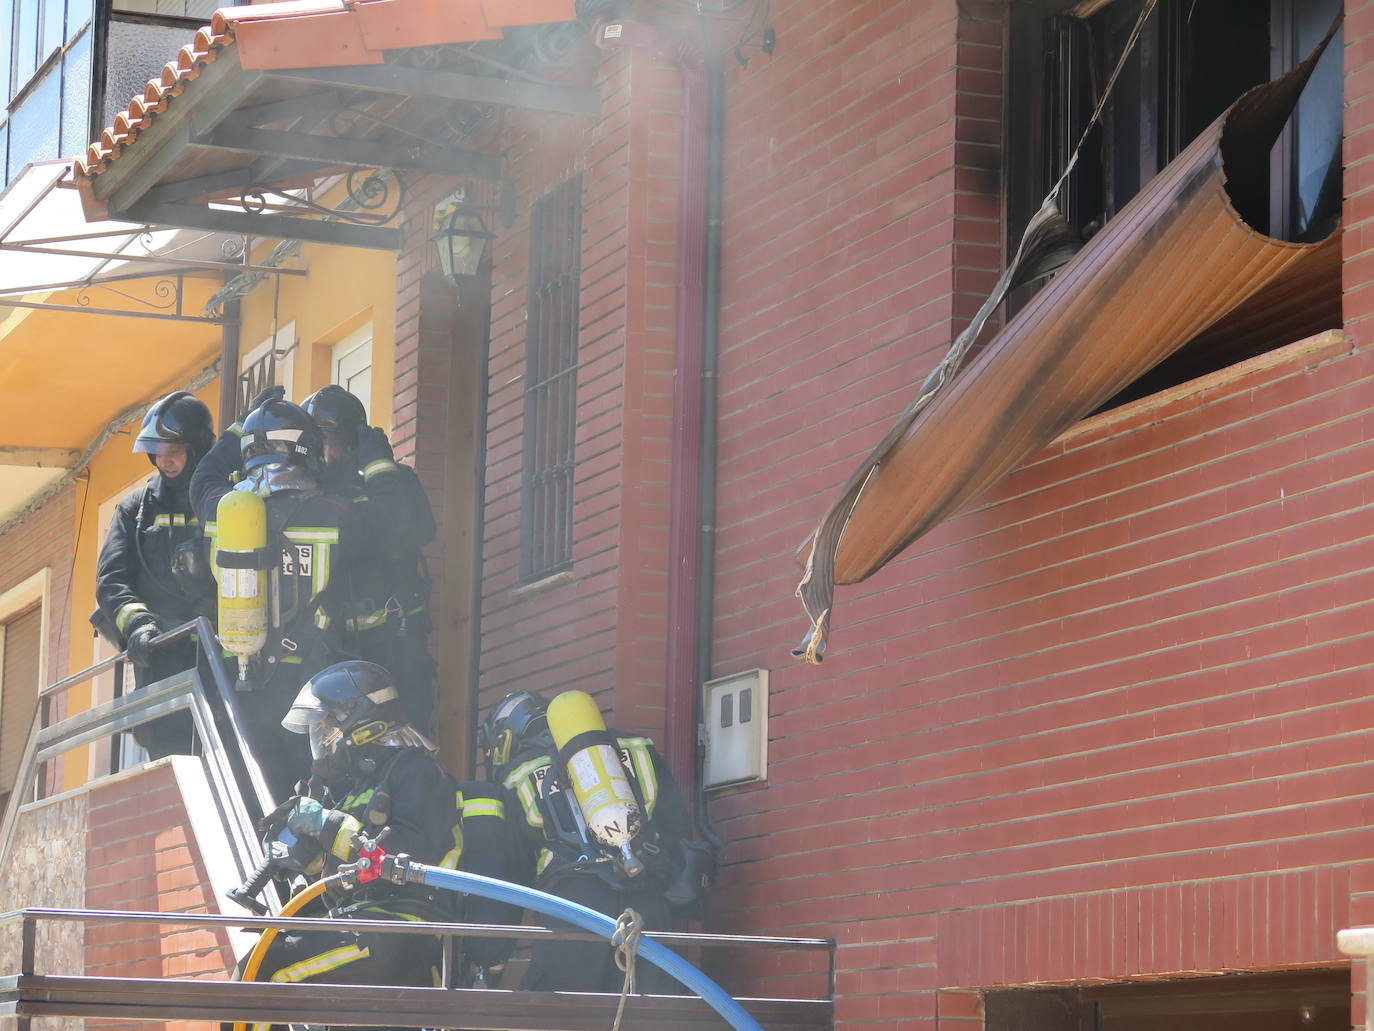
590	920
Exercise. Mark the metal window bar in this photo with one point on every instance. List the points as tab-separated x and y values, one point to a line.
259	376
28	993
240	794
546	527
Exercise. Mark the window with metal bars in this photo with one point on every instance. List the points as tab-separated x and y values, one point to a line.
546	530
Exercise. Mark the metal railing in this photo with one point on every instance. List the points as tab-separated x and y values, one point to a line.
207	691
32	994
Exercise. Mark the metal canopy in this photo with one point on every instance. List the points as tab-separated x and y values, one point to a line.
47	246
314	154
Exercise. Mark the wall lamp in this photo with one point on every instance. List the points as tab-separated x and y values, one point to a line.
460	234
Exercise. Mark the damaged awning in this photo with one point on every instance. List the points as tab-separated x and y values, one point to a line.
300	119
1175	261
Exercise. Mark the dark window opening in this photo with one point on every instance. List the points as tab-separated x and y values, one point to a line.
546	527
1314	1000
1193	59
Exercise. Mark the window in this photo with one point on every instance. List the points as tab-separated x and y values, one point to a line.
1306	1000
1193	59
23	632
350	365
551	382
268	364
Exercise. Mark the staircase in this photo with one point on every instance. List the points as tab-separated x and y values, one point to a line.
116	893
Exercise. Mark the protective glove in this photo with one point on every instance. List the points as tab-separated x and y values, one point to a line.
275	393
307	818
373	446
139	644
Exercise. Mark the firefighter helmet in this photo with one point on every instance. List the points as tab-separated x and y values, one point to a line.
339	414
280	431
517	719
179	419
348	705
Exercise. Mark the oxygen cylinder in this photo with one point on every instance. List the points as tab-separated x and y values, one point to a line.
591	757
241	538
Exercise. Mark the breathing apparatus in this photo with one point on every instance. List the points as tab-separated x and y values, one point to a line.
241	567
589	755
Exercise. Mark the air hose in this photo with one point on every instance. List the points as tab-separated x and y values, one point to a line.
589	920
530	898
253	962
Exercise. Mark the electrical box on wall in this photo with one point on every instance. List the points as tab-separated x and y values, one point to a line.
735	713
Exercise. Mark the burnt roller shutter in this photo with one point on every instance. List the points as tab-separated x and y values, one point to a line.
18	692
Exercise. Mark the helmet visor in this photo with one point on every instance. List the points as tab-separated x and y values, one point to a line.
307	716
154	446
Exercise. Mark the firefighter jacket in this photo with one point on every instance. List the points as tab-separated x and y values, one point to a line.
388	592
143	568
322	537
435	821
546	807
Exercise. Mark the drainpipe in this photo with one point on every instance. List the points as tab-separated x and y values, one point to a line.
684	545
229	364
710	353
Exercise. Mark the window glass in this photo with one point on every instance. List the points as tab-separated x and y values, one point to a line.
52	23
76	97
25	43
6	47
34	126
79	14
1317	125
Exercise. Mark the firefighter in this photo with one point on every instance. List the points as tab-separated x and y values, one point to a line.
316	534
372	771
151	575
563	859
387	598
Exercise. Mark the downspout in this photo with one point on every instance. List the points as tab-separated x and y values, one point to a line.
229	364
684	505
710	379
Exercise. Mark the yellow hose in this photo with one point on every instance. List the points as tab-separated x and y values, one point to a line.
294	905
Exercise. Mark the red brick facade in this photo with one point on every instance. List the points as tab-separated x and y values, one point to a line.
1108	723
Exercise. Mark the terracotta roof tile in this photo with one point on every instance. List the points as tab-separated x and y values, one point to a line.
315	34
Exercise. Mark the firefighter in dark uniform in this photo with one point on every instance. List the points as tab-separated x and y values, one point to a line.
318	533
519	752
151	575
387	598
372	771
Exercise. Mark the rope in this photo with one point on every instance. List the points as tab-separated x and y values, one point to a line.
628	929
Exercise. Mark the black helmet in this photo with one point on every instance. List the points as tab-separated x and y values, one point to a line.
520	717
180	418
351	704
280	431
339	414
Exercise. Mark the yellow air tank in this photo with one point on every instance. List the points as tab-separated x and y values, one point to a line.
591	757
241	538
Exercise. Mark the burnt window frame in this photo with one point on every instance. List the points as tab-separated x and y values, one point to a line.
551	366
1057	65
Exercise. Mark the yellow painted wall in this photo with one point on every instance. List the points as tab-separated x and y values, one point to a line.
111	469
344	288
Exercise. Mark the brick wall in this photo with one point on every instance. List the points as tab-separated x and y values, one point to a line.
601	626
1112	720
140	855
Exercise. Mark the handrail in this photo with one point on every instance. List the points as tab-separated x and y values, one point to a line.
28	993
311	923
236	782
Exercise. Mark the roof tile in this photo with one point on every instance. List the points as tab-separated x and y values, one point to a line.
314	34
